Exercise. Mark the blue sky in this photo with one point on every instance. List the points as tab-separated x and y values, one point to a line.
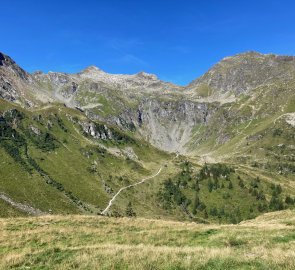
177	40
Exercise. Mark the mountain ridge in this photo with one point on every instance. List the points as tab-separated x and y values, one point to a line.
145	102
96	68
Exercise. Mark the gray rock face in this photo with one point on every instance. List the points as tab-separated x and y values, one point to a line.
15	83
35	130
103	132
140	81
168	125
6	61
7	91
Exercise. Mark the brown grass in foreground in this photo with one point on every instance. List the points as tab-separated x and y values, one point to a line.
87	242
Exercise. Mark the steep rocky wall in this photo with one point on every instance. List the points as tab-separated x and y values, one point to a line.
168	125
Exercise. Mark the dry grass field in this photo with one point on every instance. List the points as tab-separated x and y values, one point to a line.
90	242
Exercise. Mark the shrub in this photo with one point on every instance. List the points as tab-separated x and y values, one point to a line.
241	183
276	204
129	210
210	185
235	242
289	200
230	185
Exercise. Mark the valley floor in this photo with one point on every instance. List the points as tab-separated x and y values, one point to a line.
95	242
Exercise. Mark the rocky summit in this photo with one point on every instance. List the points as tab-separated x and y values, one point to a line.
219	149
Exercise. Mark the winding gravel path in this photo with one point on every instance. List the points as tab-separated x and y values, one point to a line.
129	186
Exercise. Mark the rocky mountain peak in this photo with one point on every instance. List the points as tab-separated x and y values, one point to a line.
141	81
244	72
91	69
7	63
37	73
6	60
147	76
251	53
2	59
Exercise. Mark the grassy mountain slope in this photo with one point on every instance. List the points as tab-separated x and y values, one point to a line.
57	161
45	152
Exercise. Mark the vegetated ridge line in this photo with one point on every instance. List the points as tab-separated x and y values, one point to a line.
129	186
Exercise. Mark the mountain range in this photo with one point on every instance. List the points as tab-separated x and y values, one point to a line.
224	145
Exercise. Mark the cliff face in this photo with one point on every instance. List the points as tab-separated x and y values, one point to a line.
9	64
16	84
10	73
168	125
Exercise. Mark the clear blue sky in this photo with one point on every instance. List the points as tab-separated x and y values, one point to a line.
177	40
